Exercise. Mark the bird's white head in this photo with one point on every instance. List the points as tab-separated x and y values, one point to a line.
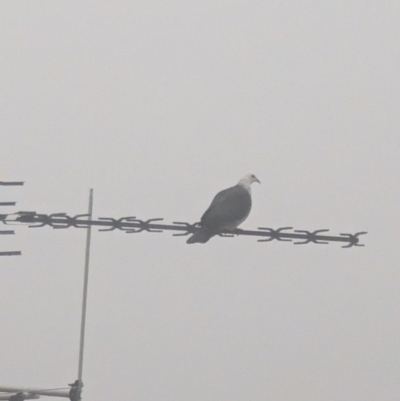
248	179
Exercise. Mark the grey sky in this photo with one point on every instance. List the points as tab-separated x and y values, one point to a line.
157	106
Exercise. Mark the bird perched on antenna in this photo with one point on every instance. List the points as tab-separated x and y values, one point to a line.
228	209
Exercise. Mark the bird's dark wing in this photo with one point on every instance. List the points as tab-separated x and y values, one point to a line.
228	207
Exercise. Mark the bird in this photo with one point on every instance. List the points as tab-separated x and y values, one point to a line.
229	208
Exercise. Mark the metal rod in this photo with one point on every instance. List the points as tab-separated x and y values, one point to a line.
11	253
10	183
7	232
26	396
53	393
85	289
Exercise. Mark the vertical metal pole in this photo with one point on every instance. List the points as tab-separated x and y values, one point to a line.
85	289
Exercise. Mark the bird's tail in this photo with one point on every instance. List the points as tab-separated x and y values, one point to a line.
201	236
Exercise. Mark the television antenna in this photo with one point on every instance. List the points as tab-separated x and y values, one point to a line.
74	391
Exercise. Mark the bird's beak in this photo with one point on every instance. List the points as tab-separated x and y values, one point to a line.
257	180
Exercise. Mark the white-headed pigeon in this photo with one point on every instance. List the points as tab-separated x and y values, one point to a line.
228	209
